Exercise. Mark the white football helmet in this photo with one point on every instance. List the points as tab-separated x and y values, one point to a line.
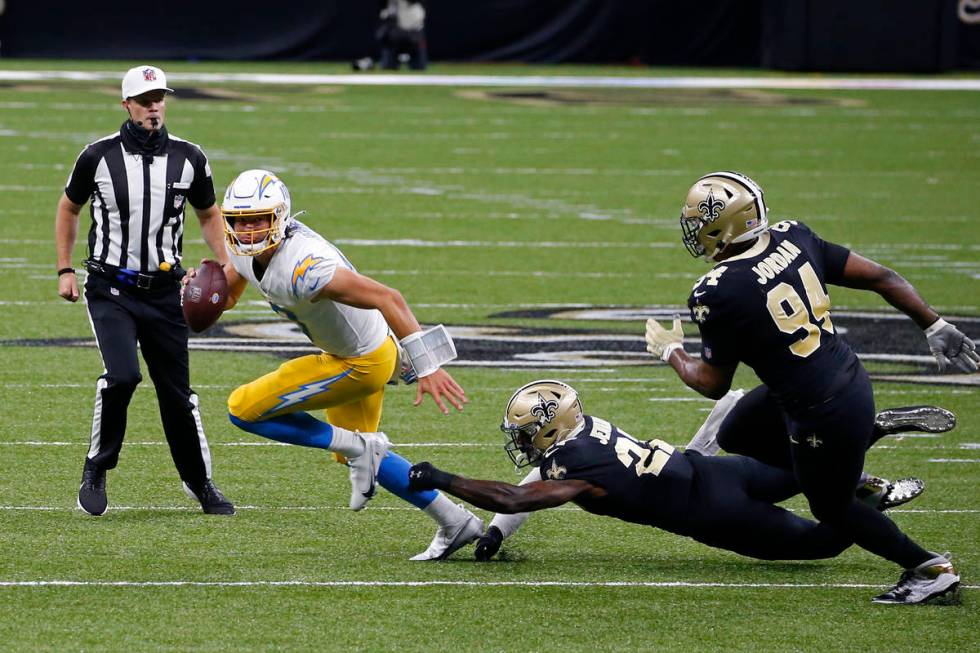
722	209
538	415
256	194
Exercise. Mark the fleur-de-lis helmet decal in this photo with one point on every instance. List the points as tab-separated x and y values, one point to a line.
545	408
710	207
722	209
537	416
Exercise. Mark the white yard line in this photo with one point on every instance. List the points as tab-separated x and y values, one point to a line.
438	583
547	81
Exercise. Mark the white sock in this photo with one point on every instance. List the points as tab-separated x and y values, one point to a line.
443	511
346	443
705	440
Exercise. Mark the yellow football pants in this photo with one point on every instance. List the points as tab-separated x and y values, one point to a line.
350	390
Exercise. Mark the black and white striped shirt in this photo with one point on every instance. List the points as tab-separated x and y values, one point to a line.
137	199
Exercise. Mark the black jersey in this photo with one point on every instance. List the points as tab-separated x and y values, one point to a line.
769	308
647	482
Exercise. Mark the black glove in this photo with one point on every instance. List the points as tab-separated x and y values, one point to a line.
489	544
425	476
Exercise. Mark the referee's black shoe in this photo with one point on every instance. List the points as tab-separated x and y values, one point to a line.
212	501
91	493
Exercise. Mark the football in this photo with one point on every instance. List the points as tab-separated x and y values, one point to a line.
205	296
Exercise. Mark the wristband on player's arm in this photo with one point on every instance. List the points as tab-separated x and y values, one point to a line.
935	327
670	349
425	476
428	350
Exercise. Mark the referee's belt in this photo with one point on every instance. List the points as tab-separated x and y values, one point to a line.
135	278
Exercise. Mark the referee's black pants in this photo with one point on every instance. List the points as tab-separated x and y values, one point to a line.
123	316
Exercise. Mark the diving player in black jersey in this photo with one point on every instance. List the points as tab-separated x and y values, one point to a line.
765	304
725	502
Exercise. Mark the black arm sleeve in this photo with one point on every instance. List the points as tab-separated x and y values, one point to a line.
201	195
81	182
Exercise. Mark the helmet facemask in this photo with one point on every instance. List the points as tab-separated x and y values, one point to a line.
722	209
537	416
256	194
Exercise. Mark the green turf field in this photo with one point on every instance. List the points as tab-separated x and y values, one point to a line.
478	203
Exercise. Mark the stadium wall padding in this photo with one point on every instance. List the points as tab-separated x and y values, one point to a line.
859	35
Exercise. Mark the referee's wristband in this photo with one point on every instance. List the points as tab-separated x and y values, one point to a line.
65	271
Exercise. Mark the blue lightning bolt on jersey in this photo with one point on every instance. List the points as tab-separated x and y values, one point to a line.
647	482
769	308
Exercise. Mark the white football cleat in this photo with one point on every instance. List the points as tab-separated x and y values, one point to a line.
932	579
364	469
705	441
450	538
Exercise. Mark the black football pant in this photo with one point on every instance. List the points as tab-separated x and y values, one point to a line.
732	508
123	316
826	448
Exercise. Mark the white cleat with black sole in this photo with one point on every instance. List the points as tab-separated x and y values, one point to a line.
453	537
933	579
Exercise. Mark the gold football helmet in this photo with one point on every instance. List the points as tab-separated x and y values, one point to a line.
538	415
721	209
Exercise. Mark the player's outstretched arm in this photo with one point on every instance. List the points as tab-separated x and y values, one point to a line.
349	287
948	344
497	496
503	526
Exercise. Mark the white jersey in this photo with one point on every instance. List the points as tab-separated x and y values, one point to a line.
302	265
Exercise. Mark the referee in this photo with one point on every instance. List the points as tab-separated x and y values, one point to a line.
137	181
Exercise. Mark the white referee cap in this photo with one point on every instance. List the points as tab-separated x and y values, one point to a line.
141	79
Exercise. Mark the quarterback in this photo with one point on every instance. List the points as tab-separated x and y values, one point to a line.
367	336
765	303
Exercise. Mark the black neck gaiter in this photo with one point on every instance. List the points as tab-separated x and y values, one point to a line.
143	141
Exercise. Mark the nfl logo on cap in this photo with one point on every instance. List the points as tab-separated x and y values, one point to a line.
143	79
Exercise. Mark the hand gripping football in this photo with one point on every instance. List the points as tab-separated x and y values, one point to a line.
205	296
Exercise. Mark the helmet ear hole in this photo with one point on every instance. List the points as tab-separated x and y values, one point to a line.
715	233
